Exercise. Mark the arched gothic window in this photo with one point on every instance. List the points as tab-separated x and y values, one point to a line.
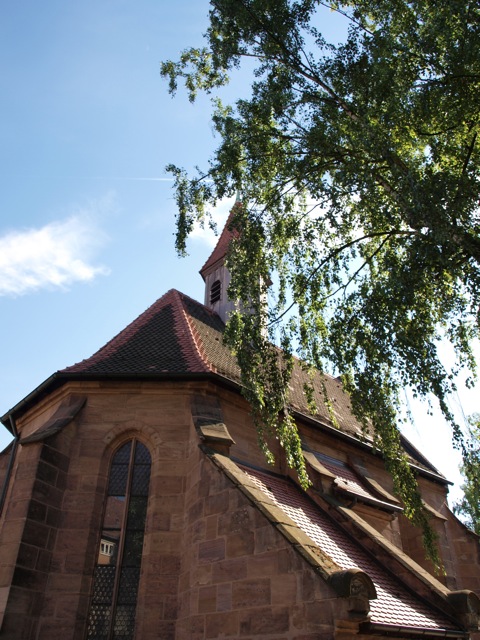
215	291
117	573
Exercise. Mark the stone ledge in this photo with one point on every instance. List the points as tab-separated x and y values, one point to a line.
66	412
208	420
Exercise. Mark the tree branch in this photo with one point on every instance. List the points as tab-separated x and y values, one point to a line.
335	252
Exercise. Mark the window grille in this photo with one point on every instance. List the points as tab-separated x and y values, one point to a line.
215	291
117	573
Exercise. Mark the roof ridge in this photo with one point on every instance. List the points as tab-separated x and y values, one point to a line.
197	340
190	349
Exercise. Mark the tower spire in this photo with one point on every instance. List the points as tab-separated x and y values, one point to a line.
215	273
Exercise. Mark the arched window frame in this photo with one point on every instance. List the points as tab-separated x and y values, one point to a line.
116	577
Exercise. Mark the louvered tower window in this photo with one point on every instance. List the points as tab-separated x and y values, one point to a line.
215	291
117	573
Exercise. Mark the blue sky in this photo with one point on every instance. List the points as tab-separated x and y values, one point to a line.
87	212
86	209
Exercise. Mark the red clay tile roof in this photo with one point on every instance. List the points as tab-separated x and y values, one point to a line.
160	340
395	605
180	336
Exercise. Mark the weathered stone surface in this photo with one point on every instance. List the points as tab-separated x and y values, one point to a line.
219	559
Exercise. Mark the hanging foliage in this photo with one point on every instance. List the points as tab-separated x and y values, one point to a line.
359	166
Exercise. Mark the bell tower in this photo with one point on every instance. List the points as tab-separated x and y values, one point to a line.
216	275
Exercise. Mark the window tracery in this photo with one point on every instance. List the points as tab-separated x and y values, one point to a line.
117	572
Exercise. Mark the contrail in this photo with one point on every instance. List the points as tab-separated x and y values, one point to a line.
128	178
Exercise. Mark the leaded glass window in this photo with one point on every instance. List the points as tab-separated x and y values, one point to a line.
117	572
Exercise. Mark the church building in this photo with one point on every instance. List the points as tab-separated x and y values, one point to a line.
136	504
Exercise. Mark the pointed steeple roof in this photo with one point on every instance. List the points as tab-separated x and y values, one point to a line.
221	249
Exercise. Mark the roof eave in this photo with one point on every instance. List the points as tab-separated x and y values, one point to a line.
205	271
367	446
47	386
375	628
58	379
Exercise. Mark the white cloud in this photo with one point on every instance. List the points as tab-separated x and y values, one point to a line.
53	256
